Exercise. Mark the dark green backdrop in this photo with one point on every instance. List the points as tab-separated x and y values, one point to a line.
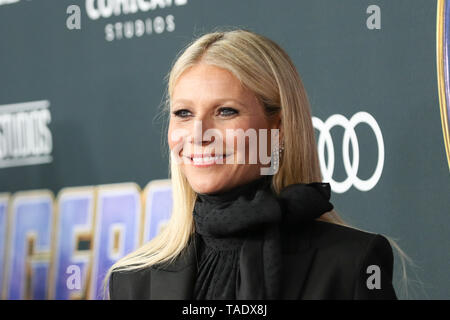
104	98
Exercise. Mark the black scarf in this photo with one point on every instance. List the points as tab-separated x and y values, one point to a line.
240	231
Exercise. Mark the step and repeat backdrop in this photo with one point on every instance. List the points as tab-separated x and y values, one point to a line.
83	157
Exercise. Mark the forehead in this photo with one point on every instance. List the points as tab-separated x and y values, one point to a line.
205	81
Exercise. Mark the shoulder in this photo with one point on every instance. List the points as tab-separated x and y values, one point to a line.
326	236
124	285
353	247
162	280
346	258
330	236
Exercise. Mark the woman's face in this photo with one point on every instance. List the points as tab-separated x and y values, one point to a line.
209	99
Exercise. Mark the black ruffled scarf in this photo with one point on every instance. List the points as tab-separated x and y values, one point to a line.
240	254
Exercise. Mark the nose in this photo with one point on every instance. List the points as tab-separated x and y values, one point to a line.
197	136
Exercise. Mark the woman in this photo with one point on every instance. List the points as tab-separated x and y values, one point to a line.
243	229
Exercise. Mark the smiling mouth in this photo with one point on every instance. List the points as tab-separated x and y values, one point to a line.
206	159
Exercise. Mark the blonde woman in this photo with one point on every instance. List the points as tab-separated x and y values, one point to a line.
243	228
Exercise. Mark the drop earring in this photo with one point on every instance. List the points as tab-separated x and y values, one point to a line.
276	155
281	147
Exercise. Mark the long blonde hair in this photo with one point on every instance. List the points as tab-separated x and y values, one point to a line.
266	69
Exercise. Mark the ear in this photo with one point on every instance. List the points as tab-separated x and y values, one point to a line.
278	125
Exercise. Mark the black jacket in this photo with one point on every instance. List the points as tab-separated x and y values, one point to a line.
320	260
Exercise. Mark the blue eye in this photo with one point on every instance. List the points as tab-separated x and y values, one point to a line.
181	113
224	111
227	111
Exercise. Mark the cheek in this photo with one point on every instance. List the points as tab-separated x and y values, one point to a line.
175	136
255	124
236	135
170	141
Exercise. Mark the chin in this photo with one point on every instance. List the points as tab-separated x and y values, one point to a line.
205	186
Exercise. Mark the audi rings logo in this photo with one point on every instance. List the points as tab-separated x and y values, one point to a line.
351	167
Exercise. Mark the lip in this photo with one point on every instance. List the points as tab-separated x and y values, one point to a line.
203	164
201	155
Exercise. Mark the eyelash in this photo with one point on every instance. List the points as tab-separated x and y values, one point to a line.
178	112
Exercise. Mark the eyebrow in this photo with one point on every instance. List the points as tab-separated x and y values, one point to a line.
187	101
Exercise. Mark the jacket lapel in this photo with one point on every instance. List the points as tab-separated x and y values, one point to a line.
175	281
295	270
298	256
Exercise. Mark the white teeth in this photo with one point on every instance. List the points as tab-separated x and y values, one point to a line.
206	159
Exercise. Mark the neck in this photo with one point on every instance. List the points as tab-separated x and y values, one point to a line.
246	189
